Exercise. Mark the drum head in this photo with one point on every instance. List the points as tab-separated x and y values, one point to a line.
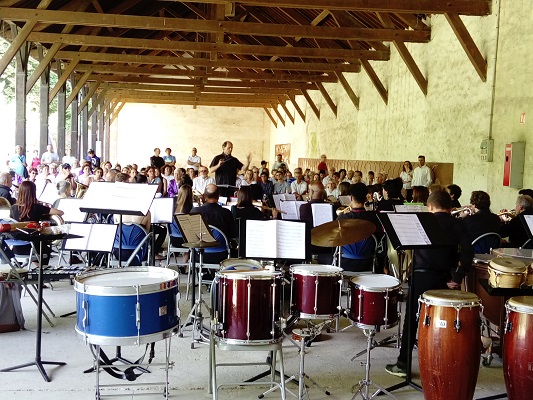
449	297
251	274
527	254
375	282
315	269
507	264
521	304
240	264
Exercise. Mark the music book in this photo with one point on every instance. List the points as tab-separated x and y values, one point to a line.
162	210
71	210
275	239
49	194
411	208
409	229
118	198
96	237
278	198
193	228
290	209
222	200
322	213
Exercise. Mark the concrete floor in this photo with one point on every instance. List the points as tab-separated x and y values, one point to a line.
327	361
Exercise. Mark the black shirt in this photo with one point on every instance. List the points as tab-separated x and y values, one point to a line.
226	174
36	213
157	161
482	222
5	192
216	215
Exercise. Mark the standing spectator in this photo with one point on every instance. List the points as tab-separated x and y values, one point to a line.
422	173
194	161
407	178
169	159
322	164
35	161
278	163
157	161
68	158
18	162
49	156
93	159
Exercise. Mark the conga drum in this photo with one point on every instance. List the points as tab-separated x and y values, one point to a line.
506	272
518	348
449	344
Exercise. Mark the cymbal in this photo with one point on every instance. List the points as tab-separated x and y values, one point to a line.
201	244
342	232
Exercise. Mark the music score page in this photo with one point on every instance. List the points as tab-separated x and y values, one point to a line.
409	229
275	239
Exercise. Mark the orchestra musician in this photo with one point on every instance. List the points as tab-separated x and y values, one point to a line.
514	229
482	220
435	268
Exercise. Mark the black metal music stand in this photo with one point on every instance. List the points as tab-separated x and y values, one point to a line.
38	362
437	238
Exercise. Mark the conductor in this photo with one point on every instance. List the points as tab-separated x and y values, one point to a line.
226	167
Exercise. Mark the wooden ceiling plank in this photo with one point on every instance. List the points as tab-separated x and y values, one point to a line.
348	89
16	44
206	26
199	103
271	117
468	44
77	88
193	96
205	89
311	103
327	97
375	80
297	107
175	45
287	112
467	7
275	109
200	62
92	89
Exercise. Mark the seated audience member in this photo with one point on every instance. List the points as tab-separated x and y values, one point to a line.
514	228
391	195
326	179
482	220
67	175
370	178
267	190
344	188
86	178
122	177
98	175
281	186
299	185
288	177
5	187
455	192
420	194
64	190
170	186
202	180
248	178
332	192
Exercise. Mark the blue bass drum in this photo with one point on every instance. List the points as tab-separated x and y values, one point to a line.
130	306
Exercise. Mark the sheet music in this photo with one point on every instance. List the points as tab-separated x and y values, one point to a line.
411	208
96	237
193	228
290	241
277	200
344	200
162	210
409	229
261	239
290	197
529	222
119	197
291	209
222	200
322	213
49	194
71	210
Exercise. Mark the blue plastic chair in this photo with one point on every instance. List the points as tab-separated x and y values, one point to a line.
362	253
483	244
135	242
174	232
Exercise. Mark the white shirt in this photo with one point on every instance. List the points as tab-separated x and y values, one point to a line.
421	176
334	192
49	157
299	188
407	177
199	183
194	159
326	180
68	160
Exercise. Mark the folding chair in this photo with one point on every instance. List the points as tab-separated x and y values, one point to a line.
135	245
483	244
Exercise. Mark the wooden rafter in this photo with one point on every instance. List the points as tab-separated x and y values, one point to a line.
272	119
275	109
311	103
297	107
348	89
61	80
92	89
327	97
76	89
16	44
287	112
375	80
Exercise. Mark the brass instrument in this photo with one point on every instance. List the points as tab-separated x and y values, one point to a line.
80	190
198	197
463	212
507	214
343	210
55	220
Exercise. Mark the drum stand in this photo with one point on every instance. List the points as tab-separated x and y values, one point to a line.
365	384
195	316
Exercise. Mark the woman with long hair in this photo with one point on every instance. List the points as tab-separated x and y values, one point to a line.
407	177
184	200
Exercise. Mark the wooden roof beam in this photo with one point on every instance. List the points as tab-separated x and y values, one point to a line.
198	103
77	88
65	75
297	107
271	117
468	44
92	89
193	96
327	97
116	112
16	44
99	100
275	109
204	89
209	26
375	80
348	89
311	103
287	112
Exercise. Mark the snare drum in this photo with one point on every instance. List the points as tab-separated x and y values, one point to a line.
238	264
525	255
518	348
247	307
506	272
449	344
130	306
374	301
316	290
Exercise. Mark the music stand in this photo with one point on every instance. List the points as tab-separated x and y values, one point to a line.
161	213
118	198
412	231
197	236
39	238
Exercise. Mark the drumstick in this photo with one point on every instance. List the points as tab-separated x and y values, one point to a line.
18	225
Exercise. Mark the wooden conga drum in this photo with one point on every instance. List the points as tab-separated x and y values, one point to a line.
518	348
449	344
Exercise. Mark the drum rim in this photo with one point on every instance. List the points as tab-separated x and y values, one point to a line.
375	289
472	300
518	307
240	261
83	287
304	269
127	340
507	268
504	251
256	275
255	342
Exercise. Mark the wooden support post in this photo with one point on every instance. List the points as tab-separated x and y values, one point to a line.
62	144
21	75
74	124
84	126
44	107
348	89
94	125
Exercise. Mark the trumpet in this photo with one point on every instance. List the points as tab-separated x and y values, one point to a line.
80	190
343	210
507	215
463	212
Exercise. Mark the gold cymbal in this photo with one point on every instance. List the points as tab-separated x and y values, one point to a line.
342	232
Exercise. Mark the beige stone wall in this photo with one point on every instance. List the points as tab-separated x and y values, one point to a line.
448	124
142	127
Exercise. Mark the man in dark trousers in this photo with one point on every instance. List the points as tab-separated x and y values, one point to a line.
225	167
436	268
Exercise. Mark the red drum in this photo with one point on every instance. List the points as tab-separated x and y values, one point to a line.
449	344
518	348
247	306
316	290
374	301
